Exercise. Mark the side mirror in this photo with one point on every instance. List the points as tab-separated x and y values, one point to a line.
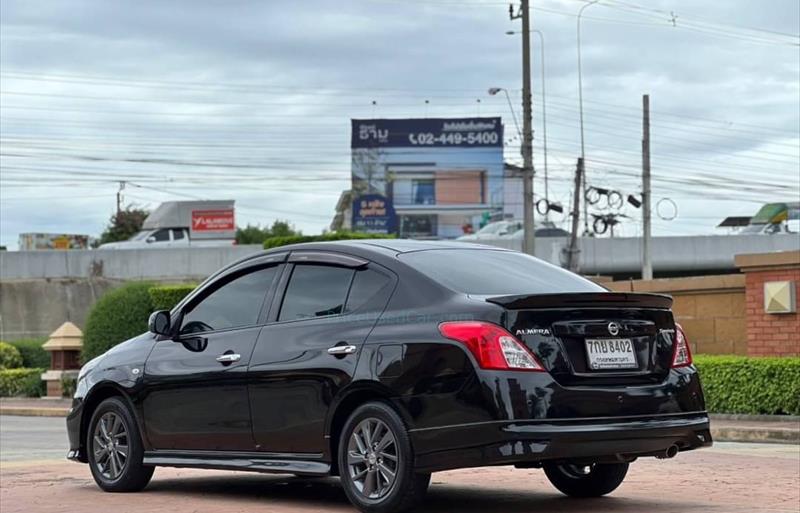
150	239
159	323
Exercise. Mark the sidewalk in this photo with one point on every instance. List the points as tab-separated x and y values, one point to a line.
724	428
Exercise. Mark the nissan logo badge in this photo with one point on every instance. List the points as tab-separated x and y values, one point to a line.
613	329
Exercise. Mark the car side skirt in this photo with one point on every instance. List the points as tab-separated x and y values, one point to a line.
276	463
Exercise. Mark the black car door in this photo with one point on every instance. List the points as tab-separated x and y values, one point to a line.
196	386
324	309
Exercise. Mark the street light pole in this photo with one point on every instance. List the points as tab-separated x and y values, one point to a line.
580	108
527	129
544	109
493	91
544	115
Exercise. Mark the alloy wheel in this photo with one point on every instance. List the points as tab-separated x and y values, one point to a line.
110	446
372	458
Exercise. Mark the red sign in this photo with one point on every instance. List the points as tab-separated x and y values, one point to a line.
212	220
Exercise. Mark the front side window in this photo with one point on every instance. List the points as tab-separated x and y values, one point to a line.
235	304
315	291
177	233
160	235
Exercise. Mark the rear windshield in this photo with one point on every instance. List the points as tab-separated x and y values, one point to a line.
487	272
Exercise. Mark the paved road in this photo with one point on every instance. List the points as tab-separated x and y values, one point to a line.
729	478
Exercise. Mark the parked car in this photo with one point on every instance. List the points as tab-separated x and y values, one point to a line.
383	361
546	229
201	223
493	230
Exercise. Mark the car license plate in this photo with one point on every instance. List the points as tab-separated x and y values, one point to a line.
611	353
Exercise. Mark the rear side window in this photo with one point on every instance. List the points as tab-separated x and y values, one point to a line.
487	272
315	291
364	292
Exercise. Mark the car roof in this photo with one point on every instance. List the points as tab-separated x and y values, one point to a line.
381	246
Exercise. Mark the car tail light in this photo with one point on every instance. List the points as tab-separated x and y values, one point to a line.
681	354
492	346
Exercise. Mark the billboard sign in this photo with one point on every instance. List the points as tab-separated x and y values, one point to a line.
374	213
213	220
427	133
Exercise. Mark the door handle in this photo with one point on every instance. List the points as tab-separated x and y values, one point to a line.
342	350
228	358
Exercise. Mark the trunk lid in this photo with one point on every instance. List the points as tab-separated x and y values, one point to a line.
596	338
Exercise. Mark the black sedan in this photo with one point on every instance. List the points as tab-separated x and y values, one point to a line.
383	361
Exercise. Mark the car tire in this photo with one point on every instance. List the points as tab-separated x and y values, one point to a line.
586	480
114	448
376	461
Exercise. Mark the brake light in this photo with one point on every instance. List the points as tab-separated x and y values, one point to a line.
492	346
681	354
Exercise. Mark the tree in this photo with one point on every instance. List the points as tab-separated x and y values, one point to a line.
124	224
255	234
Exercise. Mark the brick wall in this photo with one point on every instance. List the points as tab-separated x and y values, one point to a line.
770	334
711	309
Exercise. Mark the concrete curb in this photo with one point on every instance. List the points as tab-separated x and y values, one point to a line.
771	434
25	411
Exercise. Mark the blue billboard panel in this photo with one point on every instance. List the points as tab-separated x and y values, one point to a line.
427	133
374	213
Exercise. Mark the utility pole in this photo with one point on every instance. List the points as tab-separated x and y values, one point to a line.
647	259
573	251
527	129
119	195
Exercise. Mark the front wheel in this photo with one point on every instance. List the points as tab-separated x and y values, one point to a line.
376	461
115	449
592	480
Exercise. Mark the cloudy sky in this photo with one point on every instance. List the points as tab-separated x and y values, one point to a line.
252	100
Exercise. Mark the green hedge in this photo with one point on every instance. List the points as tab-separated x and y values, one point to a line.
167	296
274	242
9	357
33	355
21	382
117	316
760	386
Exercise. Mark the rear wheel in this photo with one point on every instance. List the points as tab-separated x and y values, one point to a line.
376	461
586	480
115	449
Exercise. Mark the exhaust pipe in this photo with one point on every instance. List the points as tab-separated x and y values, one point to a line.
670	452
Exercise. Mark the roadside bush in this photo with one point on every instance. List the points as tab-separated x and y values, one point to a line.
21	382
68	384
117	316
9	357
738	384
167	296
274	242
33	356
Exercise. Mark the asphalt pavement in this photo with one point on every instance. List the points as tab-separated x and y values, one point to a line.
32	438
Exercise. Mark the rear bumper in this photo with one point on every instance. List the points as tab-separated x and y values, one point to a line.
530	442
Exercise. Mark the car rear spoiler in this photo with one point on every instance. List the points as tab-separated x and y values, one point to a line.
584	300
